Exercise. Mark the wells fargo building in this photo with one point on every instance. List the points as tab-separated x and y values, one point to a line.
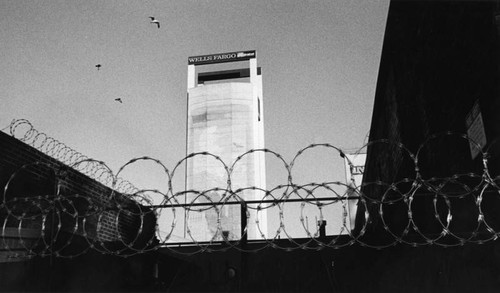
225	119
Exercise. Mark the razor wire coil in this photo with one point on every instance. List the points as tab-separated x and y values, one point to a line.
124	221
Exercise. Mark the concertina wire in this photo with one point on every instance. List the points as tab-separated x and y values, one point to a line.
55	219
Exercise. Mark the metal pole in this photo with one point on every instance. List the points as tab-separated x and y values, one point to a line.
186	163
243	245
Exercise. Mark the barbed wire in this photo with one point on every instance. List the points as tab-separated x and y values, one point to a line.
417	210
24	131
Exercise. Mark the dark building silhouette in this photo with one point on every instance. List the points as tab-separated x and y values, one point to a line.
64	231
426	184
439	58
439	70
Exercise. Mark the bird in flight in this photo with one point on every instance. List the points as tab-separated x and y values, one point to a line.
98	66
153	20
119	100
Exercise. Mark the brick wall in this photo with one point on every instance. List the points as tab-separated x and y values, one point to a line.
87	208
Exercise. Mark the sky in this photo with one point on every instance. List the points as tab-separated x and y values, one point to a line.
319	64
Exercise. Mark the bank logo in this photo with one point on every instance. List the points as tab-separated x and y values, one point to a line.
245	54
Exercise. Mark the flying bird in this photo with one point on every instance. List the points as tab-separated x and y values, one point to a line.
153	20
98	66
119	100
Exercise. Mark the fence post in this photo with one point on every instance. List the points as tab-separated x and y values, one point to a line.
243	246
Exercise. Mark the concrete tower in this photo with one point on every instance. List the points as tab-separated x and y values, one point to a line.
225	119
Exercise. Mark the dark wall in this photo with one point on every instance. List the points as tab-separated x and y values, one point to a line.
26	173
438	59
401	268
91	272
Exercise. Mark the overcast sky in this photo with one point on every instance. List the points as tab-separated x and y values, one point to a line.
319	64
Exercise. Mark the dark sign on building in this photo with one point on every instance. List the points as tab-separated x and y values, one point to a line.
475	130
221	57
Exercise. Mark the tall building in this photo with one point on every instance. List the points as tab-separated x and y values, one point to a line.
225	119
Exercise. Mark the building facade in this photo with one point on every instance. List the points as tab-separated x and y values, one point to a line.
437	83
225	122
61	227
